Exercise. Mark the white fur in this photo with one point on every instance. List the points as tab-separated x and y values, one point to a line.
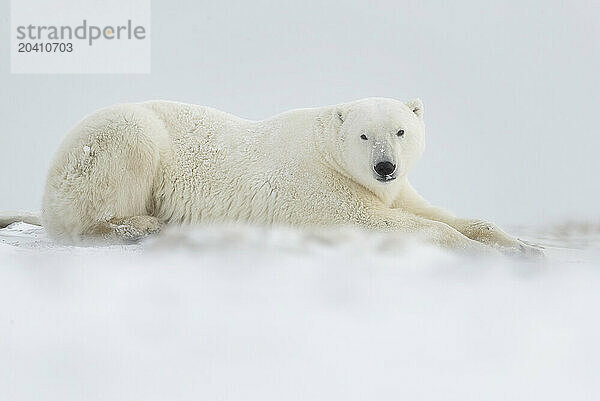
127	169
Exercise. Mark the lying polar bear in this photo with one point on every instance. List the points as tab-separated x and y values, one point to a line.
126	170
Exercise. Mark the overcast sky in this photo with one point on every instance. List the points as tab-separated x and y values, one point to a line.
511	91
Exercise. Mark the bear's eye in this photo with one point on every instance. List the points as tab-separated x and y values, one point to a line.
364	137
400	133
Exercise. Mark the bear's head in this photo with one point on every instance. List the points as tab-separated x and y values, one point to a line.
378	140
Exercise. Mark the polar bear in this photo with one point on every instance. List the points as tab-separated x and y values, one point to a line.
126	170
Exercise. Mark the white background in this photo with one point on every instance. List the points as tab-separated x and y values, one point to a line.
511	90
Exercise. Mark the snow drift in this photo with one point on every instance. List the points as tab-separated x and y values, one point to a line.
241	313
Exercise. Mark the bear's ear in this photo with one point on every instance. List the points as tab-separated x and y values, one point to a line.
416	106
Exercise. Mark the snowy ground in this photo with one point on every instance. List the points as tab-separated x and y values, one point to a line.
253	314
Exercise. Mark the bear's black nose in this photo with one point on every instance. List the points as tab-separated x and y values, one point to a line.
385	168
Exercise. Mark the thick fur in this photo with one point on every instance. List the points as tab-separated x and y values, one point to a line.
126	170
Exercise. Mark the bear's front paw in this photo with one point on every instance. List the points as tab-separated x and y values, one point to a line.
530	250
482	231
488	233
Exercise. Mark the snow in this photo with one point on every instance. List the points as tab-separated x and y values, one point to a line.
242	313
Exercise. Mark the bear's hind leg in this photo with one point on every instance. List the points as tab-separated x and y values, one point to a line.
101	184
